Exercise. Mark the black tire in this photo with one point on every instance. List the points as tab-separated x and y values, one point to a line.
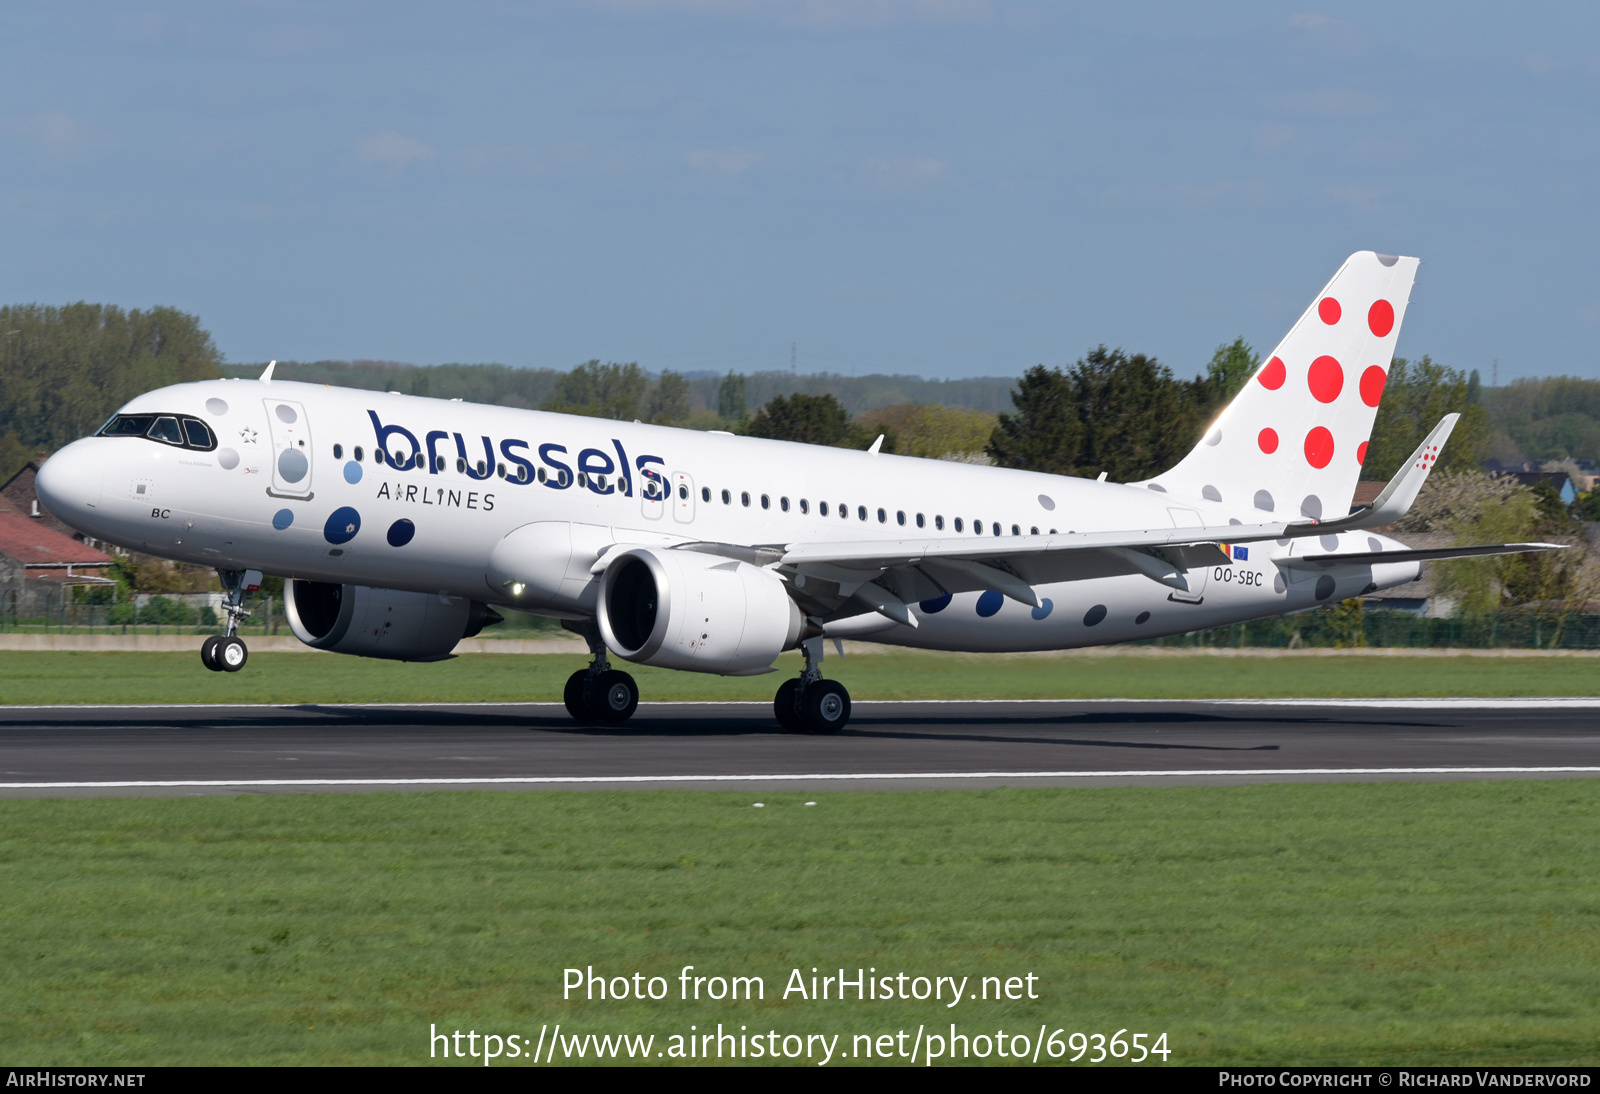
826	705
614	696
786	706
576	697
231	654
208	653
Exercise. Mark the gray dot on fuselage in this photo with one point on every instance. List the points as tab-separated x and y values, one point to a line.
1325	585
1329	543
1278	584
1211	493
1311	507
1094	615
1263	501
216	406
228	458
1374	544
1048	502
1156	486
1214	438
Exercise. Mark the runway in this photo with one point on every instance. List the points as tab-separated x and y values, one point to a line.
179	750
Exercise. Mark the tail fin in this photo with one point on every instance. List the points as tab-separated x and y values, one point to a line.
1292	441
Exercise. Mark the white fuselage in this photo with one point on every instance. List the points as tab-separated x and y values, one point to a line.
343	518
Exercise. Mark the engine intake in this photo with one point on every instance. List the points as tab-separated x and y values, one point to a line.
387	623
694	611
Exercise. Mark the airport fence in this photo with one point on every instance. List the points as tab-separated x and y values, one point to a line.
1348	626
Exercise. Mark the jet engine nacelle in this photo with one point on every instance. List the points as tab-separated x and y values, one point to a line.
694	611
388	623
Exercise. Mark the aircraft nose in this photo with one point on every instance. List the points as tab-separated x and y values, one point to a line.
69	483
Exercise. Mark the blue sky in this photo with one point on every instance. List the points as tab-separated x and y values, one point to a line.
941	187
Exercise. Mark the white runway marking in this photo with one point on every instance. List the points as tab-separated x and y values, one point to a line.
1449	703
555	780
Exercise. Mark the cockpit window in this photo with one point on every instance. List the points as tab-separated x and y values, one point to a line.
166	428
198	435
128	425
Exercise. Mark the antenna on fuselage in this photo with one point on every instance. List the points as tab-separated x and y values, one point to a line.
266	374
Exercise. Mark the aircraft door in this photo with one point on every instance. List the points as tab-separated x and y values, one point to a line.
1196	575
291	449
682	497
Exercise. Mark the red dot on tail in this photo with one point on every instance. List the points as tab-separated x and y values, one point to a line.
1380	318
1361	452
1326	379
1319	447
1268	440
1372	382
1273	375
1329	310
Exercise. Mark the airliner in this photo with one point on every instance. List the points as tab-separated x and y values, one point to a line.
402	525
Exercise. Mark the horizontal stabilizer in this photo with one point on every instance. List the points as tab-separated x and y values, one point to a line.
1417	554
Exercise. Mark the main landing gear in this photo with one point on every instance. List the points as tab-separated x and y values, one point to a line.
810	704
226	652
599	693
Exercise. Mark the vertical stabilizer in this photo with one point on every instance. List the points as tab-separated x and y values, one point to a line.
1293	439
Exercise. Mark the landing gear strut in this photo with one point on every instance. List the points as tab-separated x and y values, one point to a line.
598	693
810	704
226	652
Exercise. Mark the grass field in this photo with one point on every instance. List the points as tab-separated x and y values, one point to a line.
1402	923
30	677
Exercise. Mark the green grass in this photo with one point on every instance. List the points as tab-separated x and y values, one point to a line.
1355	924
30	677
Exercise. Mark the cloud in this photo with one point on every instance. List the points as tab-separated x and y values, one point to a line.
1360	198
391	149
1193	195
56	133
1271	136
1332	102
722	161
818	14
904	172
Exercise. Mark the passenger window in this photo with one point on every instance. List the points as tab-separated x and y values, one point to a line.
844	512
958	524
727	498
1033	531
861	512
766	502
744	498
805	506
920	522
683	492
1015	530
822	507
358	453
543	476
938	522
705	493
900	517
500	469
166	429
338	451
438	464
461	465
783	503
198	435
522	473
483	470
583	479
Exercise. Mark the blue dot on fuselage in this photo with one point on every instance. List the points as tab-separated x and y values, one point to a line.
352	472
1043	609
400	532
342	526
937	604
282	519
989	603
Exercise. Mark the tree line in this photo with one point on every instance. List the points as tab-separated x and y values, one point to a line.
63	370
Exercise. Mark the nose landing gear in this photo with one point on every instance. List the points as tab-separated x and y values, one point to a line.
599	693
226	652
810	704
